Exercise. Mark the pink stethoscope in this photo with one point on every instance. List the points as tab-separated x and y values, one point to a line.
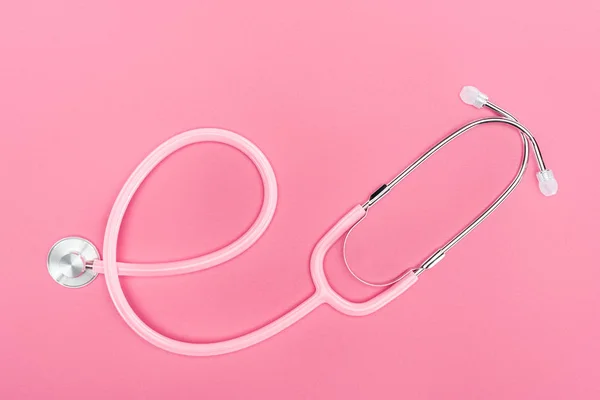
75	262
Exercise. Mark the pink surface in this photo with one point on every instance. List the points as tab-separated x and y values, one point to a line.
340	95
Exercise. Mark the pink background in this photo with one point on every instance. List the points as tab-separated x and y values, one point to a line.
340	95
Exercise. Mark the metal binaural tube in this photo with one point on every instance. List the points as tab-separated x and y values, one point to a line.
504	117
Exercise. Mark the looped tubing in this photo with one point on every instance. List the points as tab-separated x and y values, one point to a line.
323	293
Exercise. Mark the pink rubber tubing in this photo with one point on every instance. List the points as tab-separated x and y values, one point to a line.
323	292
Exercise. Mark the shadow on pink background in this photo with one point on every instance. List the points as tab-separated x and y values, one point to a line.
340	95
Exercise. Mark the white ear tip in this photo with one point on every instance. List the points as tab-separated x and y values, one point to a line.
547	182
473	97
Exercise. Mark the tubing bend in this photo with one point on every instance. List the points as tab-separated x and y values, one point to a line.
536	148
225	346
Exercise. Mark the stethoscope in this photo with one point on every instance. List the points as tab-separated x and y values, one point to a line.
74	262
